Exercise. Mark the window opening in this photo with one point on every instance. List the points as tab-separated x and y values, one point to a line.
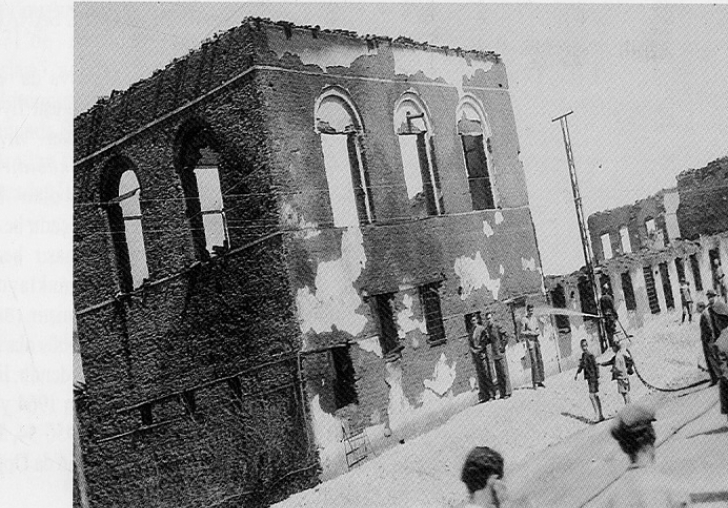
666	286
695	267
680	268
430	298
346	175
606	246
129	201
586	296
473	130
345	382
558	300
651	290
388	337
624	237
421	179
628	290
214	222
650	225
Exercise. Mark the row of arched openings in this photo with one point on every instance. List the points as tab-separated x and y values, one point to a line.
350	190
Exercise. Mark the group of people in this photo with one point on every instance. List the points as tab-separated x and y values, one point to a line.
641	486
488	343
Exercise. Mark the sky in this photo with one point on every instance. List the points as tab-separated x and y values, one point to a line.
648	84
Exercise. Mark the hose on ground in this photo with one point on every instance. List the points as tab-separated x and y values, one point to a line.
659	389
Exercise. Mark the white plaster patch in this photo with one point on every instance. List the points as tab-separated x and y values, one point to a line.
502	270
371	345
336	300
474	274
498	217
435	64
487	230
304	230
399	406
528	264
327	432
442	378
472	383
405	323
341	56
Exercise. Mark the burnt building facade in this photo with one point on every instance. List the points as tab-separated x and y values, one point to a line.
643	251
278	242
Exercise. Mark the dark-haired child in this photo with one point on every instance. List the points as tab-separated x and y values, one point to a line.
589	365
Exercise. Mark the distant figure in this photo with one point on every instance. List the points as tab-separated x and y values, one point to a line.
530	332
687	300
620	372
609	313
498	341
642	486
478	351
589	365
719	278
718	322
706	338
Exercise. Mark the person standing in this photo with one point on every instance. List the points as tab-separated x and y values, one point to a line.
498	341
642	486
530	333
719	278
718	321
620	372
609	313
687	300
706	338
589	365
478	351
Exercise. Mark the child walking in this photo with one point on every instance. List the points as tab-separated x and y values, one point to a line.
589	365
620	370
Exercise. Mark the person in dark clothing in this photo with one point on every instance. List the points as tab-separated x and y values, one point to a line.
589	365
718	321
609	313
498	341
479	353
706	337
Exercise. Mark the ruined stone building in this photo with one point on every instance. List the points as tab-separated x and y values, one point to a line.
642	251
278	241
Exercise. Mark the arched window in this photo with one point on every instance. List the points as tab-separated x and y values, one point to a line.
473	131
412	126
121	197
199	171
340	127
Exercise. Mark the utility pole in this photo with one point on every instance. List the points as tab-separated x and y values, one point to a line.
585	244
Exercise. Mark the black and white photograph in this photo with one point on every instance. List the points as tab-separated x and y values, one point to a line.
370	255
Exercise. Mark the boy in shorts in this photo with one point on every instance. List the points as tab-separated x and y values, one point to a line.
619	369
589	365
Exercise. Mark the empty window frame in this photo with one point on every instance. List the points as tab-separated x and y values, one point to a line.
414	132
121	199
474	135
651	290
628	290
340	127
586	296
680	268
430	300
381	306
345	377
558	300
624	238
666	285
606	246
650	226
200	177
695	267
